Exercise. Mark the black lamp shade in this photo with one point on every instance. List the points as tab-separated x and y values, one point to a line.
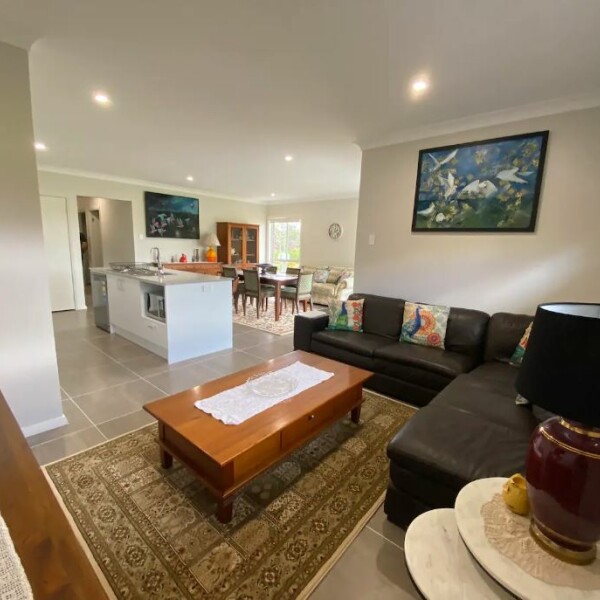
561	367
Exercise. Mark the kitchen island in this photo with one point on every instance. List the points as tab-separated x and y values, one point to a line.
177	315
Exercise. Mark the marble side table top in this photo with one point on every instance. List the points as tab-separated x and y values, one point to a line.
440	564
467	512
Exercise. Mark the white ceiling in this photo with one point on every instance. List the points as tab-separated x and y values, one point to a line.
223	89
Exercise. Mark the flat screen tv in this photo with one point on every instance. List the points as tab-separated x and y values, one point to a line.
172	216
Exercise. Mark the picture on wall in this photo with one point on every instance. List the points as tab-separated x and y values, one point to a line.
492	185
171	216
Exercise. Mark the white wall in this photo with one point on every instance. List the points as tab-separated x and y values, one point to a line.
492	272
116	225
28	369
316	247
212	210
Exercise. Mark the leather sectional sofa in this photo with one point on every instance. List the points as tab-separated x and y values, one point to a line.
470	426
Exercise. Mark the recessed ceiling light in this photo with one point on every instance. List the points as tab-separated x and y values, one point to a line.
101	98
190	178
273	194
288	158
40	146
419	85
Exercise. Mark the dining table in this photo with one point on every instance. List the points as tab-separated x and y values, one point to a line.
275	279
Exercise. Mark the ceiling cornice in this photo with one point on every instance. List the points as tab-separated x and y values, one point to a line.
282	201
499	117
145	183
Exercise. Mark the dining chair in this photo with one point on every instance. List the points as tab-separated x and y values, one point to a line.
238	288
271	269
301	293
255	289
293	271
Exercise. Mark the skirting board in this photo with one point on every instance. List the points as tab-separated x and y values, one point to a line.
44	426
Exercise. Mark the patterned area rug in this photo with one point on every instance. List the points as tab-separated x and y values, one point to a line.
266	321
154	534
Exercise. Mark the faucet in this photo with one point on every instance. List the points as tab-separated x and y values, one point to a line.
159	265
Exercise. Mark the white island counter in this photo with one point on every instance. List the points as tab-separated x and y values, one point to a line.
177	316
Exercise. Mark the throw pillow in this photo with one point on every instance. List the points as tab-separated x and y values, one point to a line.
424	324
346	315
517	358
345	274
321	276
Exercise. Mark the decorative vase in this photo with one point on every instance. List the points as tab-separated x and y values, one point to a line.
563	480
211	254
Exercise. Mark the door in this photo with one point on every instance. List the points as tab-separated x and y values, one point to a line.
58	252
94	229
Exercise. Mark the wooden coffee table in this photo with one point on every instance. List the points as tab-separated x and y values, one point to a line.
227	457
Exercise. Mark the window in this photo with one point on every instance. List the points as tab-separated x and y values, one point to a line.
284	244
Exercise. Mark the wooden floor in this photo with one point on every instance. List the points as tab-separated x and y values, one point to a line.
55	563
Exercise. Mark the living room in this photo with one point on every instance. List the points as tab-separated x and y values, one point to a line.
438	174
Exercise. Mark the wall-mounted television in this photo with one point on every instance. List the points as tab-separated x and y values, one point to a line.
170	216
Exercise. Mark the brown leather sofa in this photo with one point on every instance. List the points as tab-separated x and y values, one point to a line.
470	426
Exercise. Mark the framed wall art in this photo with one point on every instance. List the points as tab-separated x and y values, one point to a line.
491	185
171	216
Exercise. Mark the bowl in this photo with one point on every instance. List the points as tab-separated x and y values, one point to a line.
271	385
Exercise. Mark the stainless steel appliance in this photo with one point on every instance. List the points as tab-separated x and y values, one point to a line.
155	306
100	301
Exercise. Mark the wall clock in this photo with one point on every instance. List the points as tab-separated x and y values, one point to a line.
335	231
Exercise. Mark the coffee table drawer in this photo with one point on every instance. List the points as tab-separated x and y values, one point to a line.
312	423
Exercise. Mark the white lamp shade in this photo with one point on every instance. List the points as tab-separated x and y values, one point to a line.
211	239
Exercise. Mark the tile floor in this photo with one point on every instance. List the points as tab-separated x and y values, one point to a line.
105	381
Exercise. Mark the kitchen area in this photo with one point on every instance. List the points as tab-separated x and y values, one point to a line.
174	314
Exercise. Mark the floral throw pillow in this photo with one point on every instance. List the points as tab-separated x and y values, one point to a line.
424	324
517	358
321	276
346	315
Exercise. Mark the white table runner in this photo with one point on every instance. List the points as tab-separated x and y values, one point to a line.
238	404
13	580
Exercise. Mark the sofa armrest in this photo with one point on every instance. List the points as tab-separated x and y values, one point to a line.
346	284
305	325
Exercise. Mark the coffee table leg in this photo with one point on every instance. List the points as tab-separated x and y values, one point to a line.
225	510
355	414
166	459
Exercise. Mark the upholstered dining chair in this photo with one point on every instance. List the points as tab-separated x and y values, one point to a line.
255	289
301	293
238	288
293	271
272	269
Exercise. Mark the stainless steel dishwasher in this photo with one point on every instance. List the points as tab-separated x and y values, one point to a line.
100	301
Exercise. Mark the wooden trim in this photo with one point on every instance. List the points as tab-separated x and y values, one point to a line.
54	561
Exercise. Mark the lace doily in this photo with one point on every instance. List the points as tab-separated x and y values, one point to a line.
13	581
509	534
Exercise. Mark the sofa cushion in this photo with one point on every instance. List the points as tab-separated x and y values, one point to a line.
466	331
497	376
517	357
346	356
381	315
320	276
345	315
334	274
503	334
455	447
444	362
353	341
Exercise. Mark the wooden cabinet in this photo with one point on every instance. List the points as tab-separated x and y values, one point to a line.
206	268
239	243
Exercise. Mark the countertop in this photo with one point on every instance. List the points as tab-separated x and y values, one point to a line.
173	277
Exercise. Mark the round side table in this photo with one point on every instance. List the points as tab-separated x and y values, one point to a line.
469	521
439	563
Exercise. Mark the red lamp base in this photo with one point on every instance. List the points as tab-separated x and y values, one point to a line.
563	481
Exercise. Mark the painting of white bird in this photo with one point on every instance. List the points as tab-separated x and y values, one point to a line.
510	175
490	185
439	163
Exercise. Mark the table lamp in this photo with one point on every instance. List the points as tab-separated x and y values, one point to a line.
211	240
561	374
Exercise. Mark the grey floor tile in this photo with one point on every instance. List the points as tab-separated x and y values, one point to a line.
252	338
67	445
270	350
370	568
230	363
77	381
184	378
77	422
125	424
379	522
117	401
119	348
80	358
147	365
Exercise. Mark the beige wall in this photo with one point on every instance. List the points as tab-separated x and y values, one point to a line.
492	272
212	210
316	247
28	369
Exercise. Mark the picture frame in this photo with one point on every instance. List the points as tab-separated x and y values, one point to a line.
169	216
490	185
